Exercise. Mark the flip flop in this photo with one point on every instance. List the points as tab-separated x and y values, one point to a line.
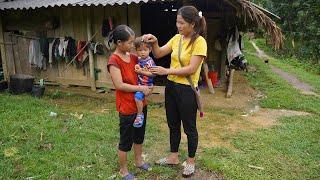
145	167
188	170
164	162
129	176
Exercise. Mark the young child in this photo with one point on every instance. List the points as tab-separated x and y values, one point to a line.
121	66
145	77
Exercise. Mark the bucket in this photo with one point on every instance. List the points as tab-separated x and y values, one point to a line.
37	91
21	83
213	75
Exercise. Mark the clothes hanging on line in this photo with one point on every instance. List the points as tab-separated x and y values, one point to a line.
84	54
233	49
51	52
71	49
35	55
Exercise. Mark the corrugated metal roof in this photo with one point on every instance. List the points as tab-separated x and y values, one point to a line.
27	4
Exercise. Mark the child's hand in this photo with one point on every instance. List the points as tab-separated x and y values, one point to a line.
137	68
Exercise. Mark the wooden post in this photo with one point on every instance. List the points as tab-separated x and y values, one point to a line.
91	60
3	52
230	83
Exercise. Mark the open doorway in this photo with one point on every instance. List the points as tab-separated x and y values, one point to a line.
159	19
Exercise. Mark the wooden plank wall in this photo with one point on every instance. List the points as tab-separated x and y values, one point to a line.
72	23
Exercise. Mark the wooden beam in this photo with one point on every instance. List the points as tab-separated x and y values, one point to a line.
107	84
3	51
91	60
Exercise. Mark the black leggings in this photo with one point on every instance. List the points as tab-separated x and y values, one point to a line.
181	105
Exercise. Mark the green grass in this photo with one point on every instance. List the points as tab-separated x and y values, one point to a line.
290	150
279	93
32	144
85	150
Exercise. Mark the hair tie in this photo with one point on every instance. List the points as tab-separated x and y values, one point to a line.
200	14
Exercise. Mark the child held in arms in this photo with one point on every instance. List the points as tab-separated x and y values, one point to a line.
145	77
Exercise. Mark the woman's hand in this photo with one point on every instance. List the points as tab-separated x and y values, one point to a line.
149	38
159	70
147	90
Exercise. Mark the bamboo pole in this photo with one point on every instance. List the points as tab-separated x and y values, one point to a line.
3	52
91	60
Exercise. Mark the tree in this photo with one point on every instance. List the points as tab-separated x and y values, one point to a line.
300	22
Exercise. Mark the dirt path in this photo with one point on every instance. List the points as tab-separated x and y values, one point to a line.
304	88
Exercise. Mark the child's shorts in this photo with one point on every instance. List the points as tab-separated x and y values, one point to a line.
130	134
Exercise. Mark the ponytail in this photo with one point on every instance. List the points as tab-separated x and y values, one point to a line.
203	27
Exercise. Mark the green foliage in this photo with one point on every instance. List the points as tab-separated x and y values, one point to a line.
300	24
297	62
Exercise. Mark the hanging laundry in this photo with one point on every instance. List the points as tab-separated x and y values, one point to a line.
51	52
61	49
64	48
98	49
105	28
71	50
83	54
35	55
44	46
55	50
108	42
233	49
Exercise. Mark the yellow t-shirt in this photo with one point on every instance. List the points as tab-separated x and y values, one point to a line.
198	48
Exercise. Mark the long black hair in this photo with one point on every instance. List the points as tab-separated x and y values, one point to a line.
191	15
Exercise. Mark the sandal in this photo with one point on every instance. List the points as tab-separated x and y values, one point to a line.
145	167
138	122
164	162
188	170
129	176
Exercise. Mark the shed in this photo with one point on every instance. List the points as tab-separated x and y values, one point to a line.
24	20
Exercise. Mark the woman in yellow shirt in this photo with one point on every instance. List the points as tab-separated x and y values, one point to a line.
180	100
